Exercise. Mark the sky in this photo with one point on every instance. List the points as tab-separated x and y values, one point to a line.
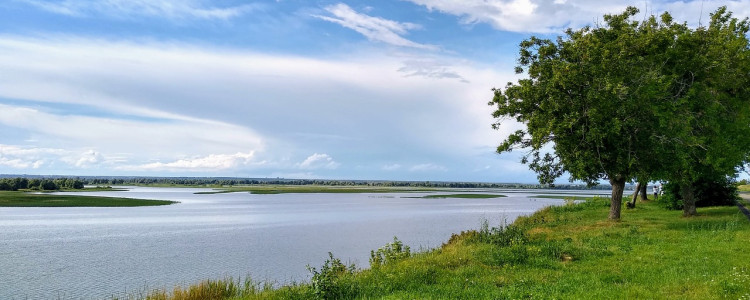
368	90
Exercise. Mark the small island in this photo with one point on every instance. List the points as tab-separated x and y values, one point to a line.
23	192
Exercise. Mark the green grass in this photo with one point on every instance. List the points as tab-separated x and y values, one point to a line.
565	252
744	188
23	199
283	189
462	196
566	197
93	189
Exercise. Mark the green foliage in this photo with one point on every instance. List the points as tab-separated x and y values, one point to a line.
592	94
708	191
628	99
502	236
211	290
19	183
332	281
388	254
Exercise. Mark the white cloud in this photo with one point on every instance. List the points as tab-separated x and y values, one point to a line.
17	163
86	159
553	16
29	157
168	9
374	28
319	161
429	167
211	162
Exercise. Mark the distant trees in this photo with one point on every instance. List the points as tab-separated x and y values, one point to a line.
633	100
20	183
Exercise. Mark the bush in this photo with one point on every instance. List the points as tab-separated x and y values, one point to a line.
502	236
329	282
389	253
708	191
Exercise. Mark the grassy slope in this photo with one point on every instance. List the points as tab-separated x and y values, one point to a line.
22	199
568	252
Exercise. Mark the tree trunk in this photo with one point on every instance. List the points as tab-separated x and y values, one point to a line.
644	191
631	204
688	200
618	186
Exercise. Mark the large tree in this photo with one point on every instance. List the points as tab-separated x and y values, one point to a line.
711	135
610	102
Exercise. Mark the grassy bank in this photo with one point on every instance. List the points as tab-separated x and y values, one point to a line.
564	197
567	252
461	196
23	199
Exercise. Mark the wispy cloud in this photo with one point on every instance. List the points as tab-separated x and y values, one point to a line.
167	9
430	68
374	28
319	161
391	167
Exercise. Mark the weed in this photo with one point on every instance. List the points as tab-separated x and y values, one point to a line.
389	253
507	235
330	281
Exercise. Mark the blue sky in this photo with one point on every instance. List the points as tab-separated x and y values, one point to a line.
393	90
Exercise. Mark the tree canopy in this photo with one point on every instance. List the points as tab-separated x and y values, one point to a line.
631	99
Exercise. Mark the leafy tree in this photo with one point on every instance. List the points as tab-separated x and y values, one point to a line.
711	134
588	102
645	100
48	185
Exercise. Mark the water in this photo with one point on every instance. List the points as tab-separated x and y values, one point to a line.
94	253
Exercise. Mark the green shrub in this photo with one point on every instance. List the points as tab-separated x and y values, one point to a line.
502	236
708	191
389	253
331	281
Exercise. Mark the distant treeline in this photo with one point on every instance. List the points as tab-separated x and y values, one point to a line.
278	181
42	184
10	182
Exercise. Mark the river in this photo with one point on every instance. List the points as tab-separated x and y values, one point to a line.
95	253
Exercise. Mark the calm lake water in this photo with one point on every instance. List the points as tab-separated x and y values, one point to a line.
95	253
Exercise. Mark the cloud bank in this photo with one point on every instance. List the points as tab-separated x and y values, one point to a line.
553	16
